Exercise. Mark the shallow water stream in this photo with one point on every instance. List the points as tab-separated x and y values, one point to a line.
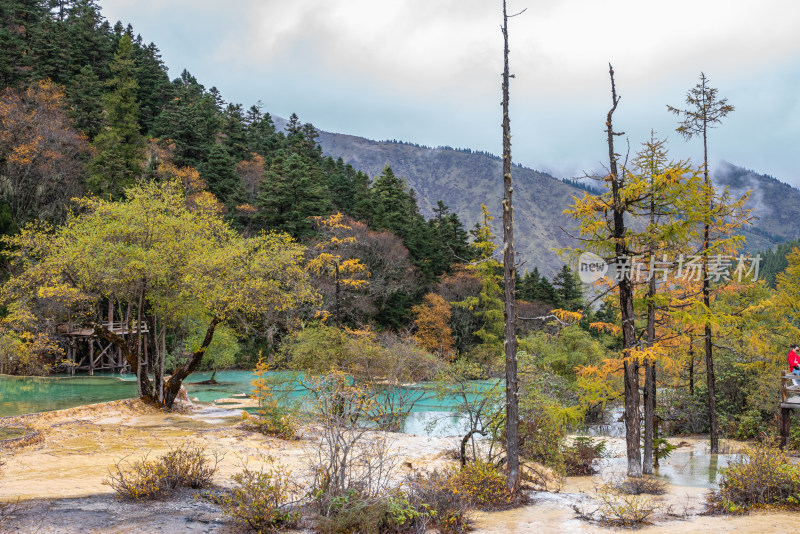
690	471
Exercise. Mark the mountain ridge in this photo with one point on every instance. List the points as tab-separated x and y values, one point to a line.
464	180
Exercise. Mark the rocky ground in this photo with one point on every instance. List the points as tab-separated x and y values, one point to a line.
57	481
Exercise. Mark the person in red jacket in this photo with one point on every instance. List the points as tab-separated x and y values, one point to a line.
794	361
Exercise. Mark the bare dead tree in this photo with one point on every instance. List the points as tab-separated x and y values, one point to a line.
625	287
509	267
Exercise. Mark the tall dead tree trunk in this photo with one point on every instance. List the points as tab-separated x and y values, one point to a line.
630	364
509	267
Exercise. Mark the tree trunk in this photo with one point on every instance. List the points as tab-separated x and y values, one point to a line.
655	417
173	387
631	416
509	267
629	364
649	374
128	353
336	297
158	376
649	412
712	396
691	367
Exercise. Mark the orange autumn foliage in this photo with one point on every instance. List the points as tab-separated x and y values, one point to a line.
432	318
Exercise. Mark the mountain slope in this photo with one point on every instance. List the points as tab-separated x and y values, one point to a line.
464	180
775	205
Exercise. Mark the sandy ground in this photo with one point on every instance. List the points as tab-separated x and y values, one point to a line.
58	481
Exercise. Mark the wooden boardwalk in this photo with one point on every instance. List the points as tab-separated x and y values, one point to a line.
87	352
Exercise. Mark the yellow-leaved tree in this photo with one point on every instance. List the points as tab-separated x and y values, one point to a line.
347	273
162	260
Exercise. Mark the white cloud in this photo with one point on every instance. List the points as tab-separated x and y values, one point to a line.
428	71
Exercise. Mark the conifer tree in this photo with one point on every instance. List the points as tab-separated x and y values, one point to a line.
342	185
347	273
85	95
17	20
120	146
155	89
705	111
546	293
528	285
190	121
608	236
90	39
292	191
219	172
451	239
260	133
488	305
233	130
393	207
568	289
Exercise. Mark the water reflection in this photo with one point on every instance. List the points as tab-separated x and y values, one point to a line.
435	423
694	468
20	395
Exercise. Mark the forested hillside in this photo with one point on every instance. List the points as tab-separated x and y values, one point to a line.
464	180
88	108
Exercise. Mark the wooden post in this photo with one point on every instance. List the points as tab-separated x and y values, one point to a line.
784	382
786	414
91	357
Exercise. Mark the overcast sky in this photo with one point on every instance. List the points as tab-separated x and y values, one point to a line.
428	71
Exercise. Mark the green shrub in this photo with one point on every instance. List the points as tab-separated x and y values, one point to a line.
184	466
794	437
761	476
662	448
352	513
540	435
580	456
262	500
750	425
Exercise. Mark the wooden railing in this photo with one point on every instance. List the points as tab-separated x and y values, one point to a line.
118	327
787	381
788	390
